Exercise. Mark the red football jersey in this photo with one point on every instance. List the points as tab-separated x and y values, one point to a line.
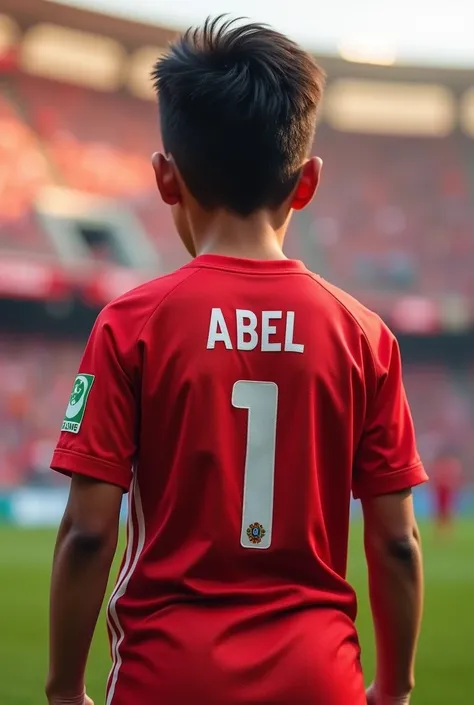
240	402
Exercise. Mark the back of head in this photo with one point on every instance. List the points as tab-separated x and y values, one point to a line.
238	108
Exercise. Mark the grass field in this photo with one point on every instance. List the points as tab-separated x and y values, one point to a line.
445	674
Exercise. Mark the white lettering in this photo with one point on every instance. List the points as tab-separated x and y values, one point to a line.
218	332
249	334
290	346
268	330
247	337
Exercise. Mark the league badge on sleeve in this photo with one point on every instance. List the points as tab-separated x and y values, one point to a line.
255	532
77	403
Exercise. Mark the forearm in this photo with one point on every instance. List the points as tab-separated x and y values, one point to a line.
79	579
396	594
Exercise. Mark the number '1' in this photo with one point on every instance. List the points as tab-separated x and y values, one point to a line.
261	400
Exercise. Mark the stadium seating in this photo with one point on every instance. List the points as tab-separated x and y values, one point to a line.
395	214
392	214
24	169
97	142
36	382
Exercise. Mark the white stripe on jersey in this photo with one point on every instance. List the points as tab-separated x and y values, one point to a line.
131	559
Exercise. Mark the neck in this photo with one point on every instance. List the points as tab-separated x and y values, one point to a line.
255	237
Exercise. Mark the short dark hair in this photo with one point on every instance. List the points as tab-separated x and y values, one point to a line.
238	108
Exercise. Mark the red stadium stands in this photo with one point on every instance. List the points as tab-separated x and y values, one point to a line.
97	142
36	381
393	217
24	169
396	214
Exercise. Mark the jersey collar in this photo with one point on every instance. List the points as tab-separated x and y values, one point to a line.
247	265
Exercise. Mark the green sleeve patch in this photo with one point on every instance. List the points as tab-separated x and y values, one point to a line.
77	403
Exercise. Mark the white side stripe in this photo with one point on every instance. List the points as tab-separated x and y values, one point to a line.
130	563
111	613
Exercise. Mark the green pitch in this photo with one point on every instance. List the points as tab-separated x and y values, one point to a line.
445	665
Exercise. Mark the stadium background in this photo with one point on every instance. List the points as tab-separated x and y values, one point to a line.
80	223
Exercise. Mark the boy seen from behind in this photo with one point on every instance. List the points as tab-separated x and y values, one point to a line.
239	401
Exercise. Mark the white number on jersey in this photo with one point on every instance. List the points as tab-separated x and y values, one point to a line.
260	399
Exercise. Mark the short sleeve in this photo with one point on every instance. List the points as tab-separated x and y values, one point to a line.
387	459
98	435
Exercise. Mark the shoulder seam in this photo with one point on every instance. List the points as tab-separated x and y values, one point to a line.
171	291
343	305
155	308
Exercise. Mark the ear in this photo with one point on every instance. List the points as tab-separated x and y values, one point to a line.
307	184
165	175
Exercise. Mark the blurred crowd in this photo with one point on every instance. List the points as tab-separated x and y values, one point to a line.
396	214
392	214
37	377
36	384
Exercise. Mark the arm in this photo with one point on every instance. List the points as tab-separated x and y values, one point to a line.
83	555
386	467
97	447
392	546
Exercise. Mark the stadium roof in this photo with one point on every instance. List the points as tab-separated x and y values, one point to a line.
406	31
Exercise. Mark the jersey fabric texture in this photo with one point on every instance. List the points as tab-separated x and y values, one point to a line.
240	403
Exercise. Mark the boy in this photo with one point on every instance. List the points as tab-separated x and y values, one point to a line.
239	400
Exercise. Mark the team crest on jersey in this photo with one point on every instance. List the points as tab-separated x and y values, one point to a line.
255	532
